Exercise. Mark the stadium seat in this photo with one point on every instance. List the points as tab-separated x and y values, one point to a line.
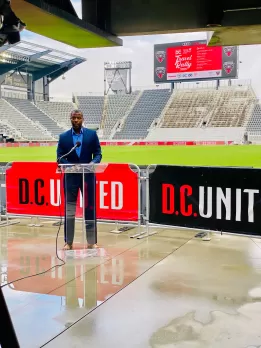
148	107
116	108
31	111
199	114
58	111
254	125
223	107
92	108
25	128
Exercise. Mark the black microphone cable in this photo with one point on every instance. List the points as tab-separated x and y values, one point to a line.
56	244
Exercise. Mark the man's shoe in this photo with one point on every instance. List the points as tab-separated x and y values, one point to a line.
67	246
92	246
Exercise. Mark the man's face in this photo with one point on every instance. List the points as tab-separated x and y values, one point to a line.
77	120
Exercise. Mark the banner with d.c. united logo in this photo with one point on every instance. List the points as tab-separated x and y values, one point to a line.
214	198
36	189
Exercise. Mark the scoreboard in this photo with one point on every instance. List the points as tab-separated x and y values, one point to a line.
194	60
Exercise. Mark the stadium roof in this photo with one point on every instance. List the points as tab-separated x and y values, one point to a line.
37	60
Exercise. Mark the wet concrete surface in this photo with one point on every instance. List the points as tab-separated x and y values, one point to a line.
168	290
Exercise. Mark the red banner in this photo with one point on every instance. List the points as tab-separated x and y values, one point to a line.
220	142
33	188
115	143
126	143
162	143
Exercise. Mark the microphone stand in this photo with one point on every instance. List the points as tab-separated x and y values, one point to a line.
68	153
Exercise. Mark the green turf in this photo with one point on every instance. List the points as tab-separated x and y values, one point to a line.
187	155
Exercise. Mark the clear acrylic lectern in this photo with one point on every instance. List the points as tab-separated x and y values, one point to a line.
79	196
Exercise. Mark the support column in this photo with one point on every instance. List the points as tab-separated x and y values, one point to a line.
45	89
29	88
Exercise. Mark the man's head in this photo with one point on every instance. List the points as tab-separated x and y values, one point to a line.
76	120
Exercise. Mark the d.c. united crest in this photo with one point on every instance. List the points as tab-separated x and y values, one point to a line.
228	67
228	50
160	55
160	72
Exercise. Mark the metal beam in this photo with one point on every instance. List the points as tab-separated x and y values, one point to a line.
45	72
36	56
57	74
64	69
55	68
5	68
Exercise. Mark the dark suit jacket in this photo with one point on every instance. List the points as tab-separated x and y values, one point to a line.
90	151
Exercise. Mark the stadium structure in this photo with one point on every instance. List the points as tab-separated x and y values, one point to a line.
200	112
227	22
173	275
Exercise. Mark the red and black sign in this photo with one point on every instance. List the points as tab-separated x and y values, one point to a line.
193	61
222	199
33	188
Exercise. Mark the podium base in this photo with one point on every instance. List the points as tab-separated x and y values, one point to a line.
82	254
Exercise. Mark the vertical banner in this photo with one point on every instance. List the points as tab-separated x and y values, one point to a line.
34	188
222	199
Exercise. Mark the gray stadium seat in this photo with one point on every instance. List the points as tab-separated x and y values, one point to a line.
31	111
148	107
26	129
92	108
116	108
58	111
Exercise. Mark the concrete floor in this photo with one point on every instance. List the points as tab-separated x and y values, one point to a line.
170	290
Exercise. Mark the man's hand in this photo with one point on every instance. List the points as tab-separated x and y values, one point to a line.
59	169
22	26
73	168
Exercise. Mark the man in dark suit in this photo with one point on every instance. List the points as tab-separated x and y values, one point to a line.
88	152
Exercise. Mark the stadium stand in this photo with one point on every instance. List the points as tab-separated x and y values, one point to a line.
25	128
187	108
92	108
36	115
148	107
225	107
187	114
116	109
196	111
58	111
232	107
9	131
254	125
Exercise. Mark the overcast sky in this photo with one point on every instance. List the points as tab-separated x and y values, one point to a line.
89	76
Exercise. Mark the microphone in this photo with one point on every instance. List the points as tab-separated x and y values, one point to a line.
78	144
